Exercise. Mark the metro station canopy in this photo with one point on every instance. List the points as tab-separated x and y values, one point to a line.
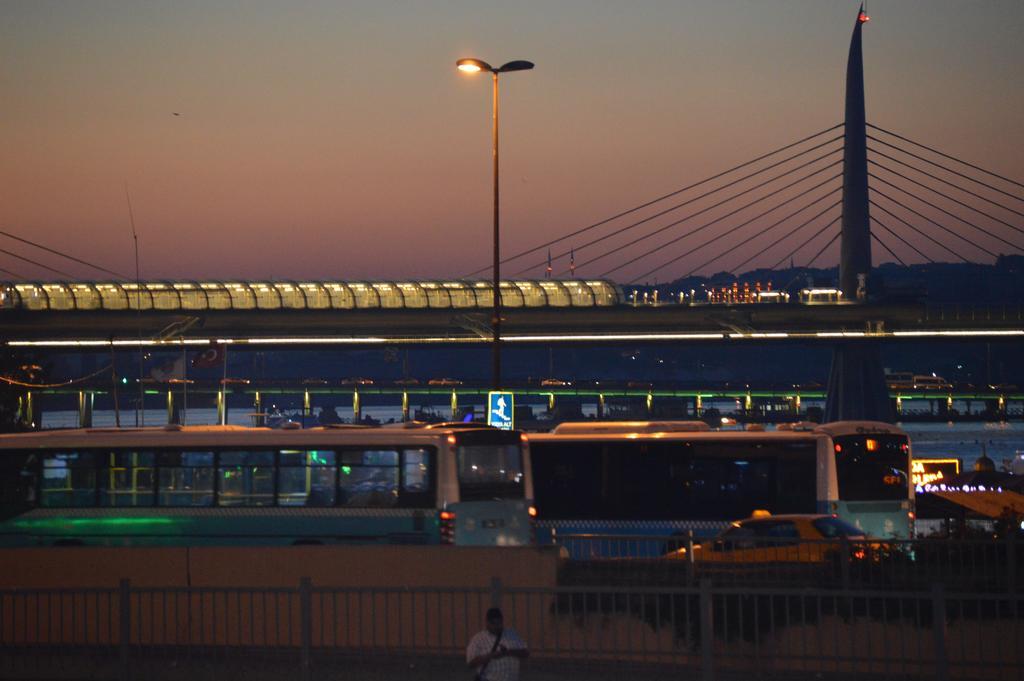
313	295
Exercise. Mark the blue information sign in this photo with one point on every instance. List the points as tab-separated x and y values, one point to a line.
499	410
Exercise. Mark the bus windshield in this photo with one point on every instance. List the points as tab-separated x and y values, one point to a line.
872	467
490	471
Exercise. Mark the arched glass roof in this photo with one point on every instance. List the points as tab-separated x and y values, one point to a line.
303	295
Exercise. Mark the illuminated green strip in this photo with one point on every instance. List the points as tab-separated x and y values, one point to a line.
61	523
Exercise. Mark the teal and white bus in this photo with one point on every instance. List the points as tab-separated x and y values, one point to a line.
872	464
225	485
664	478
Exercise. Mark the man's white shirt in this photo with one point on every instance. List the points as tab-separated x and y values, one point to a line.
503	668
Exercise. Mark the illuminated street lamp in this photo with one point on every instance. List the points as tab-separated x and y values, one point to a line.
476	66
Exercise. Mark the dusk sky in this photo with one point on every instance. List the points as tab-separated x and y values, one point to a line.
336	140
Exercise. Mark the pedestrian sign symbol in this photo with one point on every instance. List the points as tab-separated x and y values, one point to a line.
499	410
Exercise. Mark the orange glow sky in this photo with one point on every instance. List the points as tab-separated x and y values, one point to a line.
325	139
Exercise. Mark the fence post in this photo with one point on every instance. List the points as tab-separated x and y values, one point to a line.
125	608
690	558
1011	560
844	561
939	631
707	634
496	589
306	624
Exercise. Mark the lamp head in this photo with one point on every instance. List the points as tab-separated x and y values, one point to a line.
473	65
518	65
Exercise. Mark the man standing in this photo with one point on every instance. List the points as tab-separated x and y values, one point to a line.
495	652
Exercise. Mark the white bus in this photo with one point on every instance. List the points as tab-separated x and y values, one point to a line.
591	481
234	485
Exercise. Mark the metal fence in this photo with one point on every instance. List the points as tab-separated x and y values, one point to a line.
955	312
988	566
708	630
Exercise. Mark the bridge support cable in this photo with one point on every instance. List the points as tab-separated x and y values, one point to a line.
618	249
947	197
918	231
823	249
12	274
36	263
947	156
719	219
632	226
904	241
947	169
886	247
676	192
944	181
61	254
741	226
785	237
946	212
907	208
805	243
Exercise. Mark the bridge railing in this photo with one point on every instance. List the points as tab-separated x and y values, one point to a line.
418	633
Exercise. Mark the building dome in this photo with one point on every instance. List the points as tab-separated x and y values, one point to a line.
984	463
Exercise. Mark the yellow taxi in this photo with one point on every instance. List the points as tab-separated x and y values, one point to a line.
766	538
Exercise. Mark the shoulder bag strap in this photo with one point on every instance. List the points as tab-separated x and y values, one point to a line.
497	640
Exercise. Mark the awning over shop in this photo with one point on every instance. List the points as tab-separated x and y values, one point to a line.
990	503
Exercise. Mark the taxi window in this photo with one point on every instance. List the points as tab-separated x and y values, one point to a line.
779	533
771	533
735	538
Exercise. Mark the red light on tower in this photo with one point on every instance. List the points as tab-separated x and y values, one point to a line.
863	17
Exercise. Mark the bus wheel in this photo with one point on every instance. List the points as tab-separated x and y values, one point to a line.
307	542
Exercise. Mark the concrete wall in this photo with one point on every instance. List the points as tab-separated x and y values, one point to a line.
340	566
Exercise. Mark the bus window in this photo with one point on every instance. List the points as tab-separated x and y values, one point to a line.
69	479
126	479
567	481
306	478
797	482
730	488
872	467
17	483
490	471
369	478
645	480
185	478
415	471
245	478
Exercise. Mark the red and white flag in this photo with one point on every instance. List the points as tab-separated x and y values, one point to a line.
210	357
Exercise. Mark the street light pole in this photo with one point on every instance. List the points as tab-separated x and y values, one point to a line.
475	66
496	311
